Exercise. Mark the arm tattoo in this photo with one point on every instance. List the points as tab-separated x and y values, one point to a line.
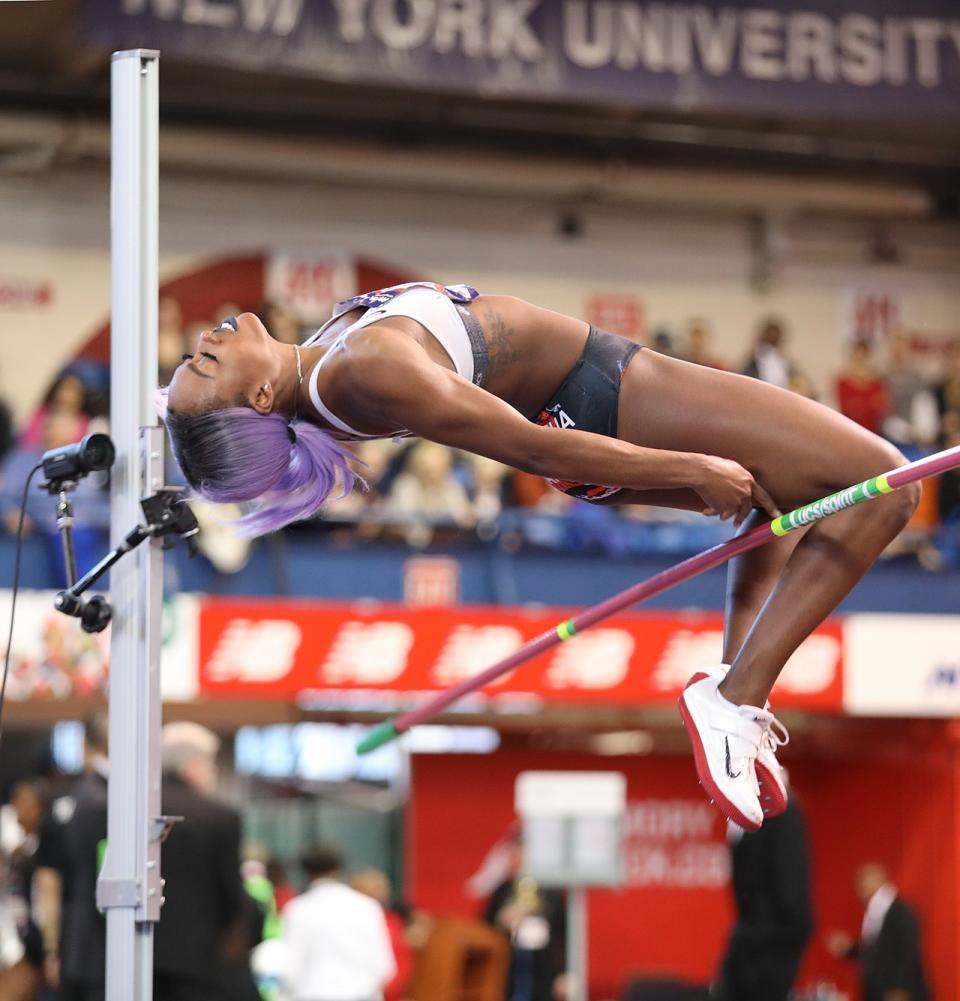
500	342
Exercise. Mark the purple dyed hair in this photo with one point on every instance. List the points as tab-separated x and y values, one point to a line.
234	454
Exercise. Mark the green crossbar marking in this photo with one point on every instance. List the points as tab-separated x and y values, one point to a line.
566	630
840	501
377	737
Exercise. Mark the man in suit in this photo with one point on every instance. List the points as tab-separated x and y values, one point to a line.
200	864
889	948
771	886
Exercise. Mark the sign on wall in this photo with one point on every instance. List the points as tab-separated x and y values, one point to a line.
619	313
25	293
309	286
872	313
842	57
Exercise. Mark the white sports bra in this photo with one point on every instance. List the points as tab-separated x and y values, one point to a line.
426	304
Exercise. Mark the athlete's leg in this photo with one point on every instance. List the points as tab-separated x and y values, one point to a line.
750	579
799	451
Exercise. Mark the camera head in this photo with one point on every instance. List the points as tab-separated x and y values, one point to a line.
71	462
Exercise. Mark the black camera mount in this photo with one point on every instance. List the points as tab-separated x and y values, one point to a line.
167	515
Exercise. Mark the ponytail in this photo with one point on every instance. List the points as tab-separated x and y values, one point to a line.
284	470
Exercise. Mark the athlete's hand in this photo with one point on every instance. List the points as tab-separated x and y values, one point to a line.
730	491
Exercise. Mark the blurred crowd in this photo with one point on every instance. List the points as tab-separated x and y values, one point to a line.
237	923
421	493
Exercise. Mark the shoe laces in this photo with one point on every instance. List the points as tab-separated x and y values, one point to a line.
775	735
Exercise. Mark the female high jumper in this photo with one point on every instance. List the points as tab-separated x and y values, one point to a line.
255	420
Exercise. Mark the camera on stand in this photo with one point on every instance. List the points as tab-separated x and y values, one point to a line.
167	515
66	465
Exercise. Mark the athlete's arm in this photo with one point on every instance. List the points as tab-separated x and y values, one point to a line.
386	380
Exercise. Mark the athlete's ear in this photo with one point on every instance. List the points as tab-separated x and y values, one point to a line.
263	398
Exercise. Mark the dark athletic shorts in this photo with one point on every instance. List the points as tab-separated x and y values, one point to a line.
588	399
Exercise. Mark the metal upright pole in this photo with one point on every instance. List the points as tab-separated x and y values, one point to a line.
129	889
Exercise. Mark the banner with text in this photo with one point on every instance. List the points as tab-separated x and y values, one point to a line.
356	658
825	57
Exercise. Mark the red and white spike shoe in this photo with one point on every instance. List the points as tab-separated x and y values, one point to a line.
773	786
726	741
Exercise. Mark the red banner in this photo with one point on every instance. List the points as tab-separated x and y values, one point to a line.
265	649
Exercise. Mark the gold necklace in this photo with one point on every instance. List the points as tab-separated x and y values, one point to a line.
296	398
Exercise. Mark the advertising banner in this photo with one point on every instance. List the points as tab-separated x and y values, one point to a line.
902	665
354	657
360	657
825	57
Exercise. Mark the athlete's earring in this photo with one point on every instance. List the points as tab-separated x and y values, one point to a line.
263	401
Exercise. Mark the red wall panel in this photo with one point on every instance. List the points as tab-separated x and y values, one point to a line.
899	808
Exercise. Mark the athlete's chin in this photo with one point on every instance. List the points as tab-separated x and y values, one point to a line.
250	322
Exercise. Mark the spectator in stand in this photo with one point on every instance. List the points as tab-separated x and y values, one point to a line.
949	482
948	498
364	508
227	308
913	418
338	943
69	398
6	428
862	393
947	392
529	490
171	337
768	360
427	494
281	323
376	885
487	481
662	342
801	384
888	951
698	346
90	500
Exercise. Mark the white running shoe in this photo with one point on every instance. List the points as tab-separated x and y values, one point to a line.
773	786
726	741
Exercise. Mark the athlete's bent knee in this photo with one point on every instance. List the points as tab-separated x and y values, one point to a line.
900	505
909	497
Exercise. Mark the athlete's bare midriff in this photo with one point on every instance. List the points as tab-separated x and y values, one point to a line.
531	349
